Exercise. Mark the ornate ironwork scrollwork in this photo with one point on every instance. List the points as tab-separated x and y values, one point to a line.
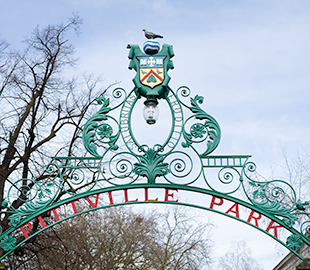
118	158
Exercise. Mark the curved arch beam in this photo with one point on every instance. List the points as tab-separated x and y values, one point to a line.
214	201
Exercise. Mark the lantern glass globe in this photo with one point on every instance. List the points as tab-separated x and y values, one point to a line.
150	113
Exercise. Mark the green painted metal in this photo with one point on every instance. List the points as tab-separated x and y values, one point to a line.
116	160
8	240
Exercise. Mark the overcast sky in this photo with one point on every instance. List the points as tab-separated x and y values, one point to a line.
249	59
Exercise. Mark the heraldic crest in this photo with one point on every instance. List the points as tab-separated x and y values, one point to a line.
152	78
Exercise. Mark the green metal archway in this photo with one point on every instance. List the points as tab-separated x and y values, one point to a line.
179	163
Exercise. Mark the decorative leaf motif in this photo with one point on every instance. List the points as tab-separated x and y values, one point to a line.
105	131
252	184
8	242
89	130
151	165
27	209
275	208
294	242
301	206
211	127
198	130
188	139
40	195
255	193
199	113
